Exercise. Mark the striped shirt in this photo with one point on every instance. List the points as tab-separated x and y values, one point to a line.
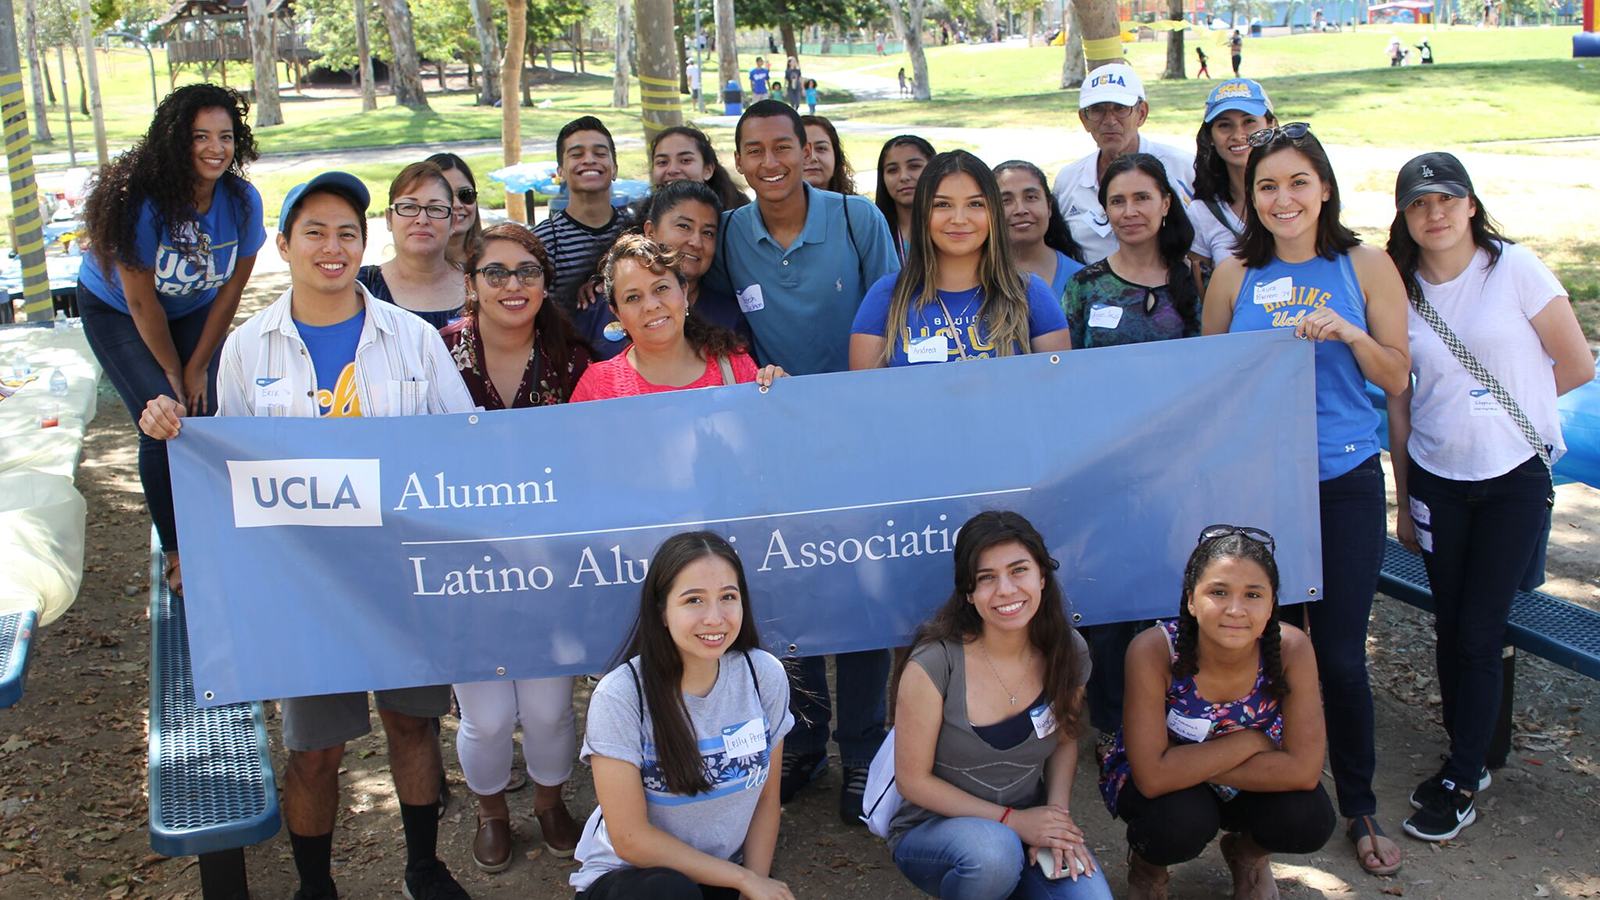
575	250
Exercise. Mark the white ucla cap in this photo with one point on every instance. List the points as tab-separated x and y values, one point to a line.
1115	83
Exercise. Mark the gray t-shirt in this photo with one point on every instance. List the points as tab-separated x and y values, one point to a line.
1013	777
736	717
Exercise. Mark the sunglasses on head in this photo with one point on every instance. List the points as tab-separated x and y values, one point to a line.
1294	131
467	195
1212	532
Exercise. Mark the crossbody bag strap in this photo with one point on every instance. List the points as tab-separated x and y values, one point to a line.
1484	376
726	367
1221	216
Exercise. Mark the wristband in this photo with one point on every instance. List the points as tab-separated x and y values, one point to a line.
1005	815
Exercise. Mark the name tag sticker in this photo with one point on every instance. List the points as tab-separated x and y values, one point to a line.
935	348
271	392
1105	316
1044	720
1280	291
1483	403
750	299
1420	512
1188	728
739	741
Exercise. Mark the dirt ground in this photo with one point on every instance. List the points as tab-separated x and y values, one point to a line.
73	815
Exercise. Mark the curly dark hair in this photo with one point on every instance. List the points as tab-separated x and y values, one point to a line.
708	340
159	167
1232	546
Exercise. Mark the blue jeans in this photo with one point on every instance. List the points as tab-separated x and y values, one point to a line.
138	378
1354	527
863	680
1482	534
980	859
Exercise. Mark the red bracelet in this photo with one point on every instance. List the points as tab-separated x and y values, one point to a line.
1004	815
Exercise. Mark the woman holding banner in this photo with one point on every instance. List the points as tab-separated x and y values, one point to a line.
987	781
515	351
1297	267
682	736
670	350
960	295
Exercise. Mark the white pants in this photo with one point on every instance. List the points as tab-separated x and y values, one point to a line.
490	711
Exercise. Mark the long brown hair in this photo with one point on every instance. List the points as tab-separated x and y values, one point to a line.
1005	294
1257	246
844	175
1049	632
553	332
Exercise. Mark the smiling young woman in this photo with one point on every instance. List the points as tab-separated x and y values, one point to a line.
900	166
1297	267
1235	109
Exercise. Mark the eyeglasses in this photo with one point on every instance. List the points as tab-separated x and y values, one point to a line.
1294	131
467	195
1098	111
497	276
410	210
1212	532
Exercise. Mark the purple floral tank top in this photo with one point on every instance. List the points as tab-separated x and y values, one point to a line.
1256	709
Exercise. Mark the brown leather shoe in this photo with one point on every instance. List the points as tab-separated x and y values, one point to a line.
560	831
1146	881
491	849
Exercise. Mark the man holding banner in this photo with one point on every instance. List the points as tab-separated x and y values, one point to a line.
327	349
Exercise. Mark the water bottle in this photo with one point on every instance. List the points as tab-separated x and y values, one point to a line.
61	323
58	383
19	366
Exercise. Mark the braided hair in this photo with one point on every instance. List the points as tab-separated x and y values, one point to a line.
1232	546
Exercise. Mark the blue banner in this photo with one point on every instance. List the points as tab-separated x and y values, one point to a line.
327	556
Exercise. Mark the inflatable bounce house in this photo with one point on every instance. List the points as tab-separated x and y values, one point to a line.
1587	41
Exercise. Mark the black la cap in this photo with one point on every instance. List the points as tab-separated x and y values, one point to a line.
1431	173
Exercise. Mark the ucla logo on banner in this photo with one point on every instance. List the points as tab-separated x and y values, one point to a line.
324	492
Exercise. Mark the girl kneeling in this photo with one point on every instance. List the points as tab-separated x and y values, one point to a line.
987	781
1222	727
681	738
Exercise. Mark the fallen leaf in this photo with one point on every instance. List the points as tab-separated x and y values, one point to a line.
15	743
1393	890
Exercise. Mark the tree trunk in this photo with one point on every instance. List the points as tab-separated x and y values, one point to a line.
727	47
36	72
624	42
1102	33
897	20
83	90
489	50
683	48
438	64
472	74
264	59
102	151
920	88
661	106
369	90
1030	26
405	70
49	87
790	48
1072	69
510	113
1176	67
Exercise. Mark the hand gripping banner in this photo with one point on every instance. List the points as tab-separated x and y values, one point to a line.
358	554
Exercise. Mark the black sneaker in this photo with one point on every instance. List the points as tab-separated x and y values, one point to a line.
1443	814
328	893
432	881
800	770
852	794
1419	797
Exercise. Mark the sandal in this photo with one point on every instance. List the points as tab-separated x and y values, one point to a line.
173	575
1366	828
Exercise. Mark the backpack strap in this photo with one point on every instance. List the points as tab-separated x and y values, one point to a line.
726	367
752	667
850	229
637	689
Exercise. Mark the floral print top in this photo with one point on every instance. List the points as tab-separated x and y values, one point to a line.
1257	710
539	387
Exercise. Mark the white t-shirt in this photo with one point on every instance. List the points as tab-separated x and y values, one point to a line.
1458	431
694	77
1212	239
1077	190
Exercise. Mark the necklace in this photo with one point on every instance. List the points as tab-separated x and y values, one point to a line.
1010	694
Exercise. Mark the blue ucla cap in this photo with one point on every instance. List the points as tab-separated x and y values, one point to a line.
343	182
1116	83
1241	94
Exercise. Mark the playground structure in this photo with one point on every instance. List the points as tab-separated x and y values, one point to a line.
1586	43
205	34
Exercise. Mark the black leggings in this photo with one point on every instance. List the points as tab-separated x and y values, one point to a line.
1177	827
655	883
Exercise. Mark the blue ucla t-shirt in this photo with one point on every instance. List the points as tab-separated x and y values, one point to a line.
333	356
1066	267
189	270
927	333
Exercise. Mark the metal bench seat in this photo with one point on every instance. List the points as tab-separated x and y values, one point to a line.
16	639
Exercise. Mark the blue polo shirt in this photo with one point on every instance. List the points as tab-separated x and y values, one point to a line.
801	301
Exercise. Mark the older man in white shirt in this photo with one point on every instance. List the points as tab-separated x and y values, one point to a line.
1111	106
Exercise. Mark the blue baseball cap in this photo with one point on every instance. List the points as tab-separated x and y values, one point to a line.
1241	94
343	182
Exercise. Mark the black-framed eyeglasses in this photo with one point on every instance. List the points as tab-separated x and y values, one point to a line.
1294	131
467	195
1212	532
410	210
497	276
